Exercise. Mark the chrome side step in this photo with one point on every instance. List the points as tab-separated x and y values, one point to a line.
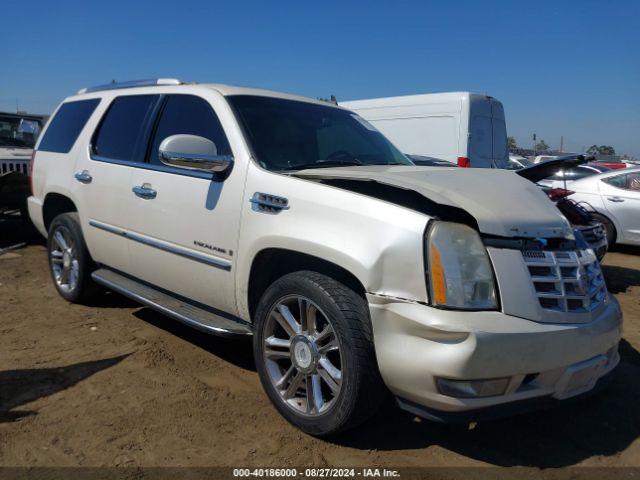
175	308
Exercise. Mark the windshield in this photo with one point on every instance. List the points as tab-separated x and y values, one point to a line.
18	132
293	135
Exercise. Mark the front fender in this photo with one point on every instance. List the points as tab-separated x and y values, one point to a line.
380	243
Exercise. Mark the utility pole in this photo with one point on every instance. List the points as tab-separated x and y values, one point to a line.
534	144
561	143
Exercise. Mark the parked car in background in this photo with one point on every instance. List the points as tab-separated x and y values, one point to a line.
612	165
250	212
18	134
464	128
581	218
543	158
516	162
615	198
567	175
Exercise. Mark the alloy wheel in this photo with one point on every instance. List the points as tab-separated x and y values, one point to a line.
302	355
63	258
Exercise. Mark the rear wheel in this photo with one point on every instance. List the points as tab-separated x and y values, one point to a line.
609	228
314	353
69	260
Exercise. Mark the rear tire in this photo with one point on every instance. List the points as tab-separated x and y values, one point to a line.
322	383
609	227
69	261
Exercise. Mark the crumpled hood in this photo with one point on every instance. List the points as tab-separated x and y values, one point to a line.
502	202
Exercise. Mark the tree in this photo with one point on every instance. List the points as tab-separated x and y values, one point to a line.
511	143
601	150
541	146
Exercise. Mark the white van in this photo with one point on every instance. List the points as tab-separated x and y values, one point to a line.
461	127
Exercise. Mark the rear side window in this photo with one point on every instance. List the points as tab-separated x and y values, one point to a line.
66	125
120	135
628	181
188	114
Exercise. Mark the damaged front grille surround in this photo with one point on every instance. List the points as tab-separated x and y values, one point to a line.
566	281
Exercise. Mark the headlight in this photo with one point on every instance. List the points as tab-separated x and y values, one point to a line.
460	273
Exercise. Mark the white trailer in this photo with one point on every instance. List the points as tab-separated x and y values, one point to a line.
461	127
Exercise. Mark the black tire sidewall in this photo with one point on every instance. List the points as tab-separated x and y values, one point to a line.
71	222
334	420
610	229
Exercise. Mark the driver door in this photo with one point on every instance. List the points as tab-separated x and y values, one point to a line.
188	221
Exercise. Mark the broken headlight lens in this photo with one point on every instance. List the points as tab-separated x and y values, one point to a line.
460	273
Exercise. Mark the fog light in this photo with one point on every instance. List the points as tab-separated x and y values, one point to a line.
472	388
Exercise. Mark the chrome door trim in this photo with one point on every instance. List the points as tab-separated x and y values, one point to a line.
220	263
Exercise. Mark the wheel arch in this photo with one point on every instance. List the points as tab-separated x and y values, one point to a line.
55	204
272	263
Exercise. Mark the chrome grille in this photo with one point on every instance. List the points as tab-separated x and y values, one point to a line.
567	281
8	166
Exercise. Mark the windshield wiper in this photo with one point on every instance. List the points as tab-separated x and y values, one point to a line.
323	164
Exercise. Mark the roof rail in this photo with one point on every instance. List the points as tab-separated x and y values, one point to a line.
131	83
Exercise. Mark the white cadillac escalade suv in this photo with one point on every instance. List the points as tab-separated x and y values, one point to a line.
462	292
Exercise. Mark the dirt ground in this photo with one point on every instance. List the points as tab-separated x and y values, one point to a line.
114	384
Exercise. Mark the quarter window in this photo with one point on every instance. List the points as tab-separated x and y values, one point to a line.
121	134
66	125
188	114
627	181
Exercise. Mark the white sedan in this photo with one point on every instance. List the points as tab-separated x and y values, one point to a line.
615	197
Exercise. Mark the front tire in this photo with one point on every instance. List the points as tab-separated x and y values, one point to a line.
314	352
69	261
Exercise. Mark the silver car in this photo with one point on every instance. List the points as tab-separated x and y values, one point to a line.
615	197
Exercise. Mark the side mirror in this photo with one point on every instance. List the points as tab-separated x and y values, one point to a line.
193	153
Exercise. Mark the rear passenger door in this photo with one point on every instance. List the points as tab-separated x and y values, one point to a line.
188	226
621	197
103	177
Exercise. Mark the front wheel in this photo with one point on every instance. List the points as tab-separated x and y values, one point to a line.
314	352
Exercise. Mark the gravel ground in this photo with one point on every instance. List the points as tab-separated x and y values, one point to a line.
114	384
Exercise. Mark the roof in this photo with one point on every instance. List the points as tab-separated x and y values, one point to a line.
227	90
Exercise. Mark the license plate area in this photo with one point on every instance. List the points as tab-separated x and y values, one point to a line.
580	378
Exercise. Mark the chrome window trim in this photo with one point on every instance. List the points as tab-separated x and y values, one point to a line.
156	168
180	251
213	163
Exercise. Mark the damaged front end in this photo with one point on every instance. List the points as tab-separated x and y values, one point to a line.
538	269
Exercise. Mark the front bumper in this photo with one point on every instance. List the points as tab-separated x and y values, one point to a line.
415	344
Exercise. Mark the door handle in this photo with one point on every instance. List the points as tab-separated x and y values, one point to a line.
615	199
144	191
83	176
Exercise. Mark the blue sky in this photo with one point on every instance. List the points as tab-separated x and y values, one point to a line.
567	68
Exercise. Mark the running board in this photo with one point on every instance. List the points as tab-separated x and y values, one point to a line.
175	308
